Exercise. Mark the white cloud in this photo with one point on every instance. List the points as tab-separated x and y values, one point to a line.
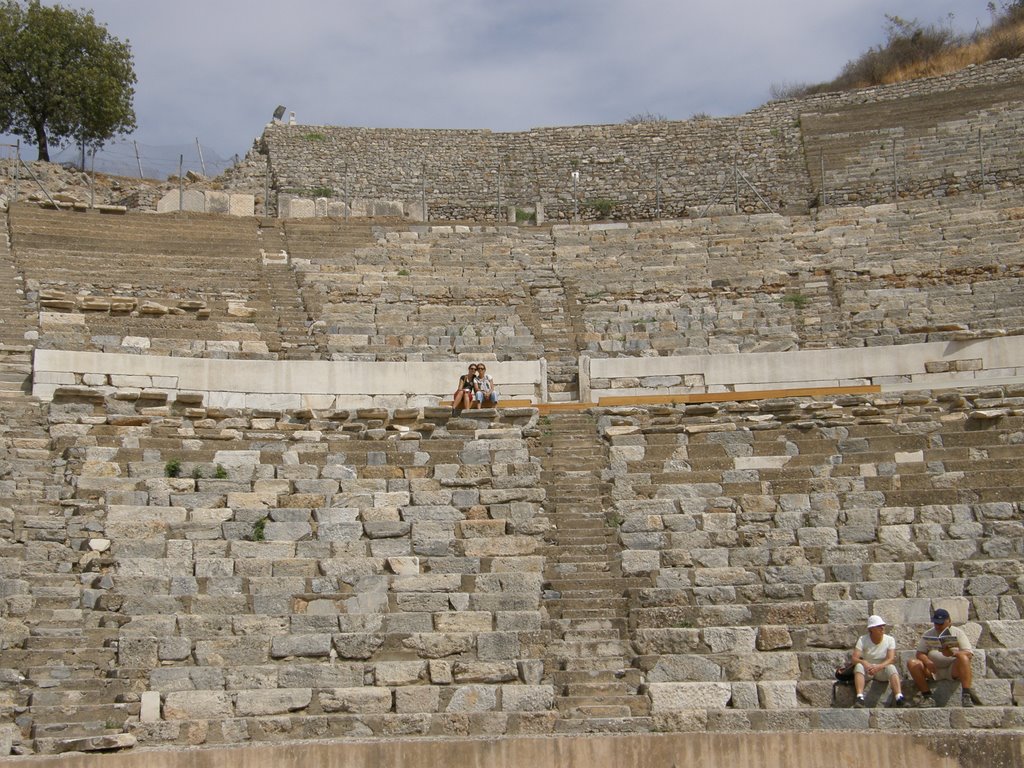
217	68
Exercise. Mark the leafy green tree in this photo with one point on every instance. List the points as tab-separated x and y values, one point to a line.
63	77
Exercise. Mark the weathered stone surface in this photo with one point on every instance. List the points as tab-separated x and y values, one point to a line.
473	698
365	700
272	702
198	705
669	697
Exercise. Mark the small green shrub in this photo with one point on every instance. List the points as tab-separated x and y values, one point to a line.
601	206
197	473
259	529
220	473
314	136
403	272
525	217
172	468
321	192
797	300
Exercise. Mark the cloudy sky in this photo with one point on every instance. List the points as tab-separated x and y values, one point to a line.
215	69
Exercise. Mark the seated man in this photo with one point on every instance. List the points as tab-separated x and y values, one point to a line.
944	652
874	656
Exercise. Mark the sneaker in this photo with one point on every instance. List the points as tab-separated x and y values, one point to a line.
926	702
969	698
899	701
858	703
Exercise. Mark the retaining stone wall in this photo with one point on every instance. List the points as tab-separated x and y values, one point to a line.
457	171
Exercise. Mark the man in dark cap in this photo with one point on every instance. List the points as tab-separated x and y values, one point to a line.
943	652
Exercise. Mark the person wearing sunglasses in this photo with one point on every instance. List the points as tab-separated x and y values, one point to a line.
486	392
464	392
944	652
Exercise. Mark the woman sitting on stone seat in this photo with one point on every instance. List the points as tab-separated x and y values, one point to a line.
464	392
486	393
875	657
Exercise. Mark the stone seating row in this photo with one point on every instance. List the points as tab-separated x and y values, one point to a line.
185	584
739	543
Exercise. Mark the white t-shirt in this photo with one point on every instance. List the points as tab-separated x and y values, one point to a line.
872	653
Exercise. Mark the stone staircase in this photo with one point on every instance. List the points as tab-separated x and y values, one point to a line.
14	323
291	326
58	680
182	285
552	314
585	593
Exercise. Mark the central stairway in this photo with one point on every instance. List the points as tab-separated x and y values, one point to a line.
589	659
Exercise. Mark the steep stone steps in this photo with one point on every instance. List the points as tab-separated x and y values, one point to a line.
588	616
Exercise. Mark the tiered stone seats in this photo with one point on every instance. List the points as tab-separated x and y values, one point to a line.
772	530
421	293
186	286
54	656
305	574
915	272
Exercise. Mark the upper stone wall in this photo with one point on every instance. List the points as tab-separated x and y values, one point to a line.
771	155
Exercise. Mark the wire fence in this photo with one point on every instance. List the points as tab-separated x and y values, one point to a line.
126	157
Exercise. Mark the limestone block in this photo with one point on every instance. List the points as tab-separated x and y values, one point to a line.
501	547
297	208
485	672
685	668
393	673
675	640
774	665
777	695
150	709
240	204
473	698
217	202
278	701
104	743
436	645
1009	634
730	639
463	621
417	698
745	696
198	705
169	203
671	697
640	561
527	698
445	582
1007	663
59	321
497	645
194	200
904	610
300	645
287	531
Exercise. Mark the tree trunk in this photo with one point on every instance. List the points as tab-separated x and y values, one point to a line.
44	150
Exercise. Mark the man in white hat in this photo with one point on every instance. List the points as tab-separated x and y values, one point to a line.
874	656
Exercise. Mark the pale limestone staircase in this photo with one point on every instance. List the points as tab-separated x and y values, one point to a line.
57	656
292	326
317	245
553	316
13	322
589	660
